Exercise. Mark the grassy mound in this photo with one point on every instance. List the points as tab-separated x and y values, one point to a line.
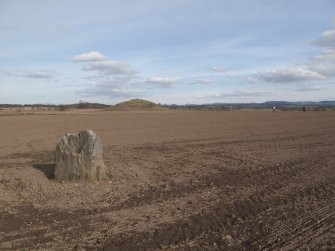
137	104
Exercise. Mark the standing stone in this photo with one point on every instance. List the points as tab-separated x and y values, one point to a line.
79	157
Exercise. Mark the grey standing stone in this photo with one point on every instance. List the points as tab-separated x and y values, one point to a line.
79	157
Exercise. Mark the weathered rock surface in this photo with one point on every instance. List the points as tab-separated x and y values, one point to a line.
79	157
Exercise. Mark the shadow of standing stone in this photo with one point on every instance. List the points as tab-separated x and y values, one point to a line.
47	169
79	157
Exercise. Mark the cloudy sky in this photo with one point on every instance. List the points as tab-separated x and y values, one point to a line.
185	51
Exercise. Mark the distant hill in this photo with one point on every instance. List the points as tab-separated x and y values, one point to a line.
137	104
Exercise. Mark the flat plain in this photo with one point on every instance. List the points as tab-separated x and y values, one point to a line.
178	180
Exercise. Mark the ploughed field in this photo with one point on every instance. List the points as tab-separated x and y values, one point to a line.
178	180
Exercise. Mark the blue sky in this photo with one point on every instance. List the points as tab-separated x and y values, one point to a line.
166	51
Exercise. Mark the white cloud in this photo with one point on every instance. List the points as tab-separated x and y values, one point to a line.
324	68
95	61
118	80
252	79
289	75
202	81
327	39
114	79
4	72
237	93
308	88
89	57
219	69
162	82
246	93
113	87
92	78
39	75
34	74
324	63
102	91
208	96
327	55
321	67
109	67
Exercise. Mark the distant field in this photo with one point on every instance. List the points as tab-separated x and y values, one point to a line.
44	110
179	180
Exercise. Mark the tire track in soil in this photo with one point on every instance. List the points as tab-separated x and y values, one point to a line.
265	173
227	177
291	228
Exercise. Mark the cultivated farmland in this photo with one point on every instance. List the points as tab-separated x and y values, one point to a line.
178	180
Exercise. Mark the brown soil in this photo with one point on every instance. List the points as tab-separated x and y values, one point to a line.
236	180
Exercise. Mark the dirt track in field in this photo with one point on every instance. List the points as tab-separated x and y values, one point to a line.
179	180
